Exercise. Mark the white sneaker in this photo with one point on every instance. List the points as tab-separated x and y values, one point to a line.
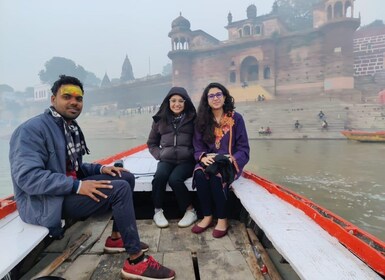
188	219
160	220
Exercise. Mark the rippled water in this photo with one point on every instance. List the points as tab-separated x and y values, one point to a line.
346	177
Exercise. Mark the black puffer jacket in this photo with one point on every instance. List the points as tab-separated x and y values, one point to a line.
168	141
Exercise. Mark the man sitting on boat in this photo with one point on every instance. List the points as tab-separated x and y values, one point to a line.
51	182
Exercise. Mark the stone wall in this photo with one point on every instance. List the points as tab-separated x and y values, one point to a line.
369	51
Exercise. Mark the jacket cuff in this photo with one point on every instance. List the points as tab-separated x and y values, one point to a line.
76	186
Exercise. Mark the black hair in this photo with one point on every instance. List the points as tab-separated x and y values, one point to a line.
66	80
205	117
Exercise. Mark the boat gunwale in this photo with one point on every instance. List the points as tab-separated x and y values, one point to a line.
7	206
364	245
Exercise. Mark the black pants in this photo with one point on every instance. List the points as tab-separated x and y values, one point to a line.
175	175
212	196
119	199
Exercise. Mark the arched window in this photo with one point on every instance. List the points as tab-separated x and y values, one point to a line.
348	9
330	12
338	12
258	30
246	30
249	69
266	73
233	77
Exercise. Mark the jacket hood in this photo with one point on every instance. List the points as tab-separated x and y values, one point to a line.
181	91
177	91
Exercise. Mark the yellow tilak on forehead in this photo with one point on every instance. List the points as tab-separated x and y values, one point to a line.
71	89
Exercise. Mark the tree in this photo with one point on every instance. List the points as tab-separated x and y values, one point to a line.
91	80
6	88
167	69
58	66
297	14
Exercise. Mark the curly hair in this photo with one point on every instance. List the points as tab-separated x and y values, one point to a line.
66	80
205	123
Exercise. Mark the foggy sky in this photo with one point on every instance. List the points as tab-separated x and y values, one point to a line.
98	34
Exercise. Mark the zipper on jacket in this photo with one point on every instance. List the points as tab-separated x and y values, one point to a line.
175	133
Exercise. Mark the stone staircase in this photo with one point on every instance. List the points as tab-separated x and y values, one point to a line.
249	93
366	117
280	116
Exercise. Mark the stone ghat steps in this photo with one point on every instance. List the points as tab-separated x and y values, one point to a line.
367	116
281	117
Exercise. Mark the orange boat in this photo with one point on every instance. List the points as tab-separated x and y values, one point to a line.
364	136
316	243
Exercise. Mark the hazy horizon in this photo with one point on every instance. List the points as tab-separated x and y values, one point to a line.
98	36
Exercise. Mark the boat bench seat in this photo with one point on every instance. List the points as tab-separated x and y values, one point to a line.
17	239
143	166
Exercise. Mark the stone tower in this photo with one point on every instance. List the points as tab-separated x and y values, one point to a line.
127	74
333	18
180	35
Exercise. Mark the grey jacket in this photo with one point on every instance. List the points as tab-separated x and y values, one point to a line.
38	168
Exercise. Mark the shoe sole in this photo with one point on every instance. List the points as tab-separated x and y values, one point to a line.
130	276
119	250
161	226
114	250
184	226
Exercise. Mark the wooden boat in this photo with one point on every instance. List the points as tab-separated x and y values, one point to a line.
314	242
364	136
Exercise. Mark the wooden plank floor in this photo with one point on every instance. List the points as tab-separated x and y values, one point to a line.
225	258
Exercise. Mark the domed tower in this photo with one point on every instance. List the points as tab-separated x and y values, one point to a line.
180	35
332	10
334	19
251	11
127	74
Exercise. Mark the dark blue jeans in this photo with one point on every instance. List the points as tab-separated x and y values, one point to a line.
175	175
119	199
211	194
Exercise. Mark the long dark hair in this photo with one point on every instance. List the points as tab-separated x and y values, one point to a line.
205	118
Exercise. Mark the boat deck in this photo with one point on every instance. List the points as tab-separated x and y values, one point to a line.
310	251
225	258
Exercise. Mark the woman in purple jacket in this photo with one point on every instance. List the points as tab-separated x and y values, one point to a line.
219	130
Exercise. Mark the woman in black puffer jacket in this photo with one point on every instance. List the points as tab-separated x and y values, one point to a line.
170	142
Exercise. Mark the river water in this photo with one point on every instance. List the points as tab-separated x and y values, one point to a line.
346	177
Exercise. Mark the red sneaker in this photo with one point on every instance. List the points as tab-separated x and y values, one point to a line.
149	269
116	246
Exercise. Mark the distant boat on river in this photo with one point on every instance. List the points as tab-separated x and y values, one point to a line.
365	136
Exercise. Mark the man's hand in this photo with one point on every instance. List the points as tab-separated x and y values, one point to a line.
91	188
113	170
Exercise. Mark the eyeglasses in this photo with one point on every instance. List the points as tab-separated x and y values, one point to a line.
180	101
218	95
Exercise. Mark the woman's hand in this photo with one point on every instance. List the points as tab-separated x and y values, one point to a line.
207	160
